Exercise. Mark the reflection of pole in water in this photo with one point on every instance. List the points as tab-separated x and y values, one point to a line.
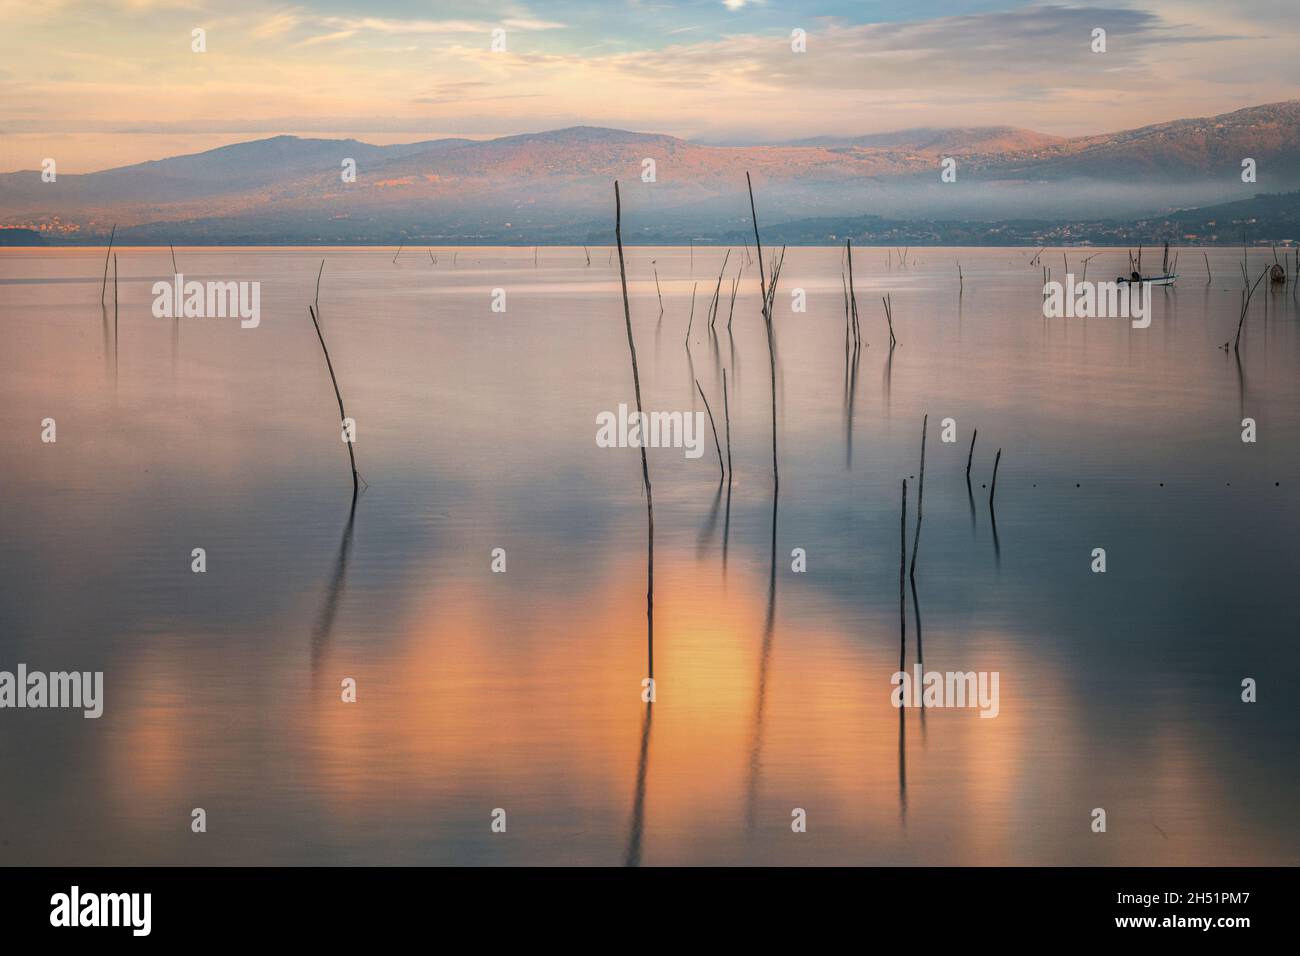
638	801
320	639
756	749
851	362
902	574
710	524
902	766
889	377
726	524
970	495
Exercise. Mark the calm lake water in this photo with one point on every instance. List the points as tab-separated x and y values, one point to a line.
522	691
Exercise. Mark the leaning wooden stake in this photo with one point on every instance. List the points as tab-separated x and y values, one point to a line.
399	250
994	486
645	467
726	412
174	266
692	320
717	291
716	443
352	458
1236	343
762	281
853	295
971	454
920	492
902	568
103	289
731	312
767	320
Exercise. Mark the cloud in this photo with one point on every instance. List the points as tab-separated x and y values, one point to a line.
662	70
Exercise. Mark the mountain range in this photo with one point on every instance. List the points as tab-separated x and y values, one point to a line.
555	186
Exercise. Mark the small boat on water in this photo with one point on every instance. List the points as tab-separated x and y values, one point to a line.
1152	280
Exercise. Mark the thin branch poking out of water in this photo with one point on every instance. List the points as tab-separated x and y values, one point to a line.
717	291
902	593
994	486
716	443
103	289
920	492
352	458
889	317
645	467
853	295
692	321
1245	304
767	319
726	411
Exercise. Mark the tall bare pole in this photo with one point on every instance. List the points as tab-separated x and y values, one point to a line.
645	467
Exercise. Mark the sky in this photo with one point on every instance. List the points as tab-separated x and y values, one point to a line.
103	83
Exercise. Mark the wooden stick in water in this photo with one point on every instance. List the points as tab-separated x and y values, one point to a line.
692	321
716	443
735	284
902	568
726	411
717	291
645	467
889	317
971	454
352	458
1236	344
103	289
753	214
175	269
767	321
399	250
994	487
920	492
853	295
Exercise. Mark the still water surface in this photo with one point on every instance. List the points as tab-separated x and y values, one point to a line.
475	431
